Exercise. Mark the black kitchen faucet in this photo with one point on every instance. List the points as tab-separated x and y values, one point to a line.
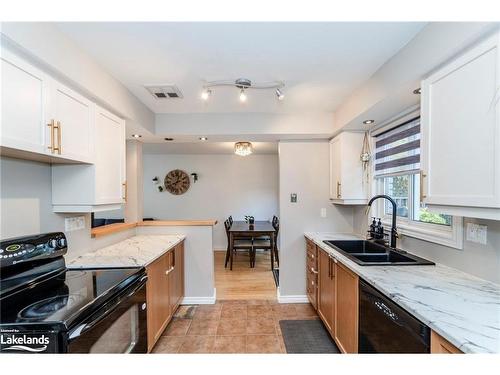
394	232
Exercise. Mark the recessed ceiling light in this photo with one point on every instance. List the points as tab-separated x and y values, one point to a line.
203	138
280	94
417	91
368	122
243	96
168	139
205	95
136	135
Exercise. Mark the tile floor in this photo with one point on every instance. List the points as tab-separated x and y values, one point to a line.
231	326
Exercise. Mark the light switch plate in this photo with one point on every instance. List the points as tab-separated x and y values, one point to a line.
323	212
74	223
477	233
293	197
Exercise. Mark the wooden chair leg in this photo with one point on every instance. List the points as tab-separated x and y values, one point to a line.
277	256
227	257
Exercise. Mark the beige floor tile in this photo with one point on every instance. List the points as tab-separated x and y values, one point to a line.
230	344
197	344
259	311
261	326
177	327
230	311
212	314
305	310
257	302
168	344
203	327
284	311
231	327
263	344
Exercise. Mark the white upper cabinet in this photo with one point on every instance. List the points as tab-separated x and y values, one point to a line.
109	157
346	170
73	117
25	92
461	134
101	185
41	118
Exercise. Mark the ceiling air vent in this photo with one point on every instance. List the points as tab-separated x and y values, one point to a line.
164	91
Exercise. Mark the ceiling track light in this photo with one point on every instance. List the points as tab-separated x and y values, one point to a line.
136	135
417	91
203	138
244	84
368	122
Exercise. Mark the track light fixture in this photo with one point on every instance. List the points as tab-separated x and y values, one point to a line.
243	84
279	94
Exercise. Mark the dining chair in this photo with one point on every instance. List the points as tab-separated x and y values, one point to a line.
264	243
238	244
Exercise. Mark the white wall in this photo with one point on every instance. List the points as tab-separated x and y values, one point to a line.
228	185
480	260
304	170
26	207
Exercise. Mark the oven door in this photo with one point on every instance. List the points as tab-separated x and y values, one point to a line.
119	327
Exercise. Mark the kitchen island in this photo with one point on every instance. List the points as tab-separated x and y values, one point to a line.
461	308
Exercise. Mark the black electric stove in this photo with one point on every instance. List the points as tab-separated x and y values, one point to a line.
44	307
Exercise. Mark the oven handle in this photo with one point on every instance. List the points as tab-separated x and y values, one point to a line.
82	328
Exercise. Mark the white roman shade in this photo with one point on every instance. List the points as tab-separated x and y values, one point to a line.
397	151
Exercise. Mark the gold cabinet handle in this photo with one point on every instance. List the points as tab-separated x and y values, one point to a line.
124	197
169	270
339	194
313	271
422	195
57	126
51	126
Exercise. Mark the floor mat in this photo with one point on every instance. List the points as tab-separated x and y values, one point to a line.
307	337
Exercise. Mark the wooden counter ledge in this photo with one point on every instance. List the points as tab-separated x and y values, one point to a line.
111	228
173	223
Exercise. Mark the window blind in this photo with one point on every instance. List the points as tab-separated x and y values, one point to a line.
397	151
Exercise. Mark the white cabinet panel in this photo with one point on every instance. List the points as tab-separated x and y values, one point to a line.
74	115
461	130
24	100
346	170
109	157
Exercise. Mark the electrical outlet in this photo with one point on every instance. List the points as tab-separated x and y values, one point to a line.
293	197
74	223
477	233
323	212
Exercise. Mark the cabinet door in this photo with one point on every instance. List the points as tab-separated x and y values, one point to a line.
346	317
74	116
157	290
326	289
180	272
109	158
335	155
25	95
461	130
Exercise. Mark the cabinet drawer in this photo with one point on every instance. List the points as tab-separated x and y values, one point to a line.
311	261
312	290
311	247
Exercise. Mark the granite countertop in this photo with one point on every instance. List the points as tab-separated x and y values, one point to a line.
462	308
137	251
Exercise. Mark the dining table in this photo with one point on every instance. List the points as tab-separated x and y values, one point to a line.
243	229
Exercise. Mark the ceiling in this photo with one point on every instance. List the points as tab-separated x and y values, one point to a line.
206	148
320	63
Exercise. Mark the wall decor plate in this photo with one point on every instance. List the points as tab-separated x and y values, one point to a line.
177	182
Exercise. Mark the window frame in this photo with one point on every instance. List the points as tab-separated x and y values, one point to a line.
450	236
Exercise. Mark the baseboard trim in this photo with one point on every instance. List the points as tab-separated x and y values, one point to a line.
292	298
200	300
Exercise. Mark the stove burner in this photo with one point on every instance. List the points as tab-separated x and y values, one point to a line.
50	306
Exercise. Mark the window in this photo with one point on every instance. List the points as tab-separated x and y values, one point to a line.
397	174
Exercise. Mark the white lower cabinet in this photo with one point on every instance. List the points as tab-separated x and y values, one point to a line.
461	134
347	185
100	186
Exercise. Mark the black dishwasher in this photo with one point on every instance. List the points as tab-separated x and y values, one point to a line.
384	327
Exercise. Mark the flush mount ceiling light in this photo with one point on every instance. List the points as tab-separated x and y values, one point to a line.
417	91
368	122
136	135
243	148
244	84
203	138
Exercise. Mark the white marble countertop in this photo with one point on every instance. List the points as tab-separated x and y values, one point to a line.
137	251
462	308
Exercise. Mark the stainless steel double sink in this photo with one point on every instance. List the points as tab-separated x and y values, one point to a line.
369	253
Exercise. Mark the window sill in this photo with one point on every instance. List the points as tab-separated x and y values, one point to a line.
448	236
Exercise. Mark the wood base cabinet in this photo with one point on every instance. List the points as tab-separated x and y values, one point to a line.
346	309
439	345
326	290
164	291
312	273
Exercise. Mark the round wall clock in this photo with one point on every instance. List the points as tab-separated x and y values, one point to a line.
177	182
